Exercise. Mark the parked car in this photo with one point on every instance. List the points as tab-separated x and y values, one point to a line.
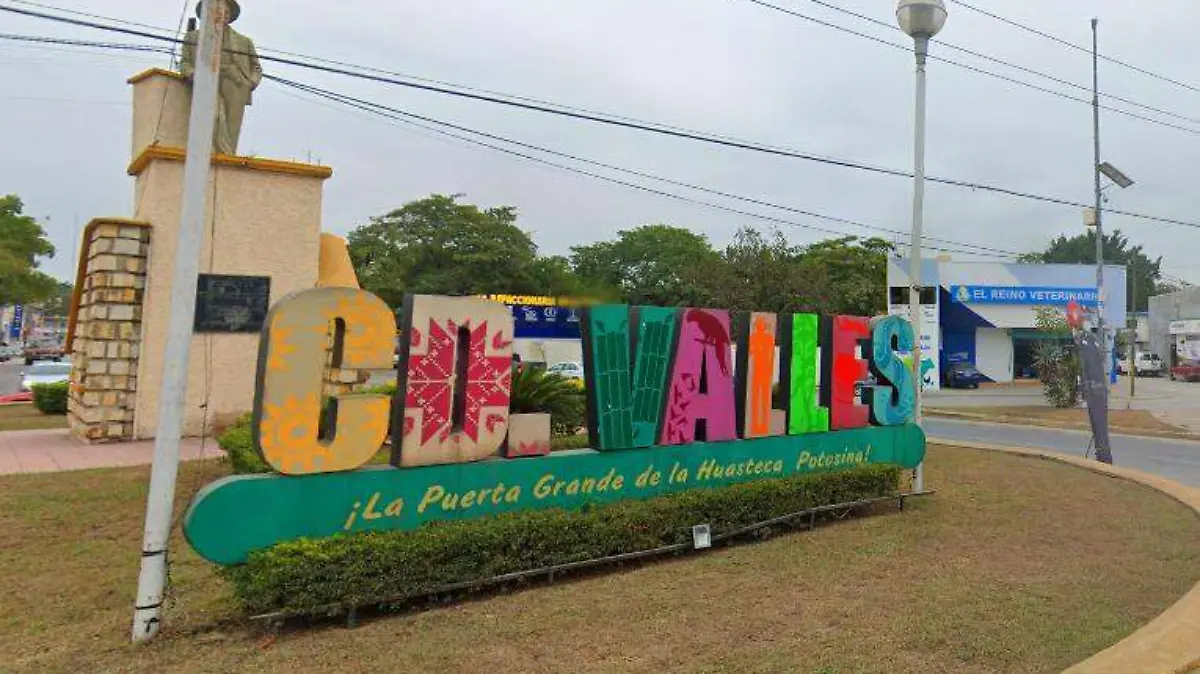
1188	370
46	372
568	369
963	375
1144	365
35	351
8	352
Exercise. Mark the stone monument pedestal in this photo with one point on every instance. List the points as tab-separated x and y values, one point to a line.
264	221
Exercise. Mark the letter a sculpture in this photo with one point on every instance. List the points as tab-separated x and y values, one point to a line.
240	75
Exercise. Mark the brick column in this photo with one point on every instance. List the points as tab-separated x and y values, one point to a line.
107	336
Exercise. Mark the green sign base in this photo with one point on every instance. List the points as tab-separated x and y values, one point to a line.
236	515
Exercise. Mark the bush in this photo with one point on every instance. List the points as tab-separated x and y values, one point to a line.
309	576
51	398
238	443
574	441
536	391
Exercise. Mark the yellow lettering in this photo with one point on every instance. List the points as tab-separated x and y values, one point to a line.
351	516
393	509
705	470
468	499
432	495
512	495
541	489
573	487
369	513
804	456
589	485
483	495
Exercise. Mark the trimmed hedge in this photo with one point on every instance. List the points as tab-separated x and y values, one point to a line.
308	576
51	398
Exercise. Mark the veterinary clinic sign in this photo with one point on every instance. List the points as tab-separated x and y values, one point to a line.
669	409
1044	296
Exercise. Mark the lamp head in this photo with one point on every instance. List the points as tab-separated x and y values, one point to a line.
921	18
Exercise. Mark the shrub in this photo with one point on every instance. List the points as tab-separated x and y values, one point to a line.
238	443
573	441
537	391
309	576
51	398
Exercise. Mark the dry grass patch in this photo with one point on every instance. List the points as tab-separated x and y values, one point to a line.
1016	565
1134	422
23	417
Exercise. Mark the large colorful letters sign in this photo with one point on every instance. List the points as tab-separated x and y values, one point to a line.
678	399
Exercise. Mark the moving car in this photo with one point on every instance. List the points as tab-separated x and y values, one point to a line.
45	373
1188	370
963	375
568	369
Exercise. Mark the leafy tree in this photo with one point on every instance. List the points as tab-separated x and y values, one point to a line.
854	274
761	273
1146	273
439	246
22	243
652	264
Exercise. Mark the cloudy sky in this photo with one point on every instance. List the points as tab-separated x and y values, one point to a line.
723	66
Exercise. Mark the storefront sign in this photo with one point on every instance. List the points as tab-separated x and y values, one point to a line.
1045	296
1189	327
670	409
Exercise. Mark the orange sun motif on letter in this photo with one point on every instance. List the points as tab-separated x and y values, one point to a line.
288	434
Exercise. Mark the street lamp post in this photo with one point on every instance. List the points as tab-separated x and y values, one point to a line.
921	20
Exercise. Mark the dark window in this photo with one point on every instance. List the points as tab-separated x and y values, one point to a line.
897	295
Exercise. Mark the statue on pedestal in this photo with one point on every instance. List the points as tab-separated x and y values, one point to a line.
240	75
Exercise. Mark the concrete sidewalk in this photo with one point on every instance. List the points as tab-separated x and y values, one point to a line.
47	451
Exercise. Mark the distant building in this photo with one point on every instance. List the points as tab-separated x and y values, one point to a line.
983	313
1175	326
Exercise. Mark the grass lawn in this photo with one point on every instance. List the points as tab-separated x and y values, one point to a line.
21	417
1015	565
1134	422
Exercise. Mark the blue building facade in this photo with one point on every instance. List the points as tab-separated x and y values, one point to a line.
985	313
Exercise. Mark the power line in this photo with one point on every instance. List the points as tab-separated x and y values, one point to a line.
981	71
431	124
630	123
1009	64
1072	45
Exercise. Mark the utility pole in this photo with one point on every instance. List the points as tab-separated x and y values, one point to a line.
1100	298
1133	339
198	164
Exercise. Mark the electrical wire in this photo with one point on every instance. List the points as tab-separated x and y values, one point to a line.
435	126
1072	45
981	71
1009	64
649	127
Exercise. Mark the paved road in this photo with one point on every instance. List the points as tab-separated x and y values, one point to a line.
1175	459
10	376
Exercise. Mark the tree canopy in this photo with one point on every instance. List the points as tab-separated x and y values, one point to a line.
439	245
1142	273
22	245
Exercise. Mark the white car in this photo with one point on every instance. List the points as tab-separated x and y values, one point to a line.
45	372
9	352
1144	365
568	370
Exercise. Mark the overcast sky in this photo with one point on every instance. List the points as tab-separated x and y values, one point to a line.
725	66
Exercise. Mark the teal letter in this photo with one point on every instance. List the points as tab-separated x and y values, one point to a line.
625	398
891	405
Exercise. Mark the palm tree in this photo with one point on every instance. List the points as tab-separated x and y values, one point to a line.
536	391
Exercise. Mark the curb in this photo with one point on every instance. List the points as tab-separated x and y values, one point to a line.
943	413
1169	643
